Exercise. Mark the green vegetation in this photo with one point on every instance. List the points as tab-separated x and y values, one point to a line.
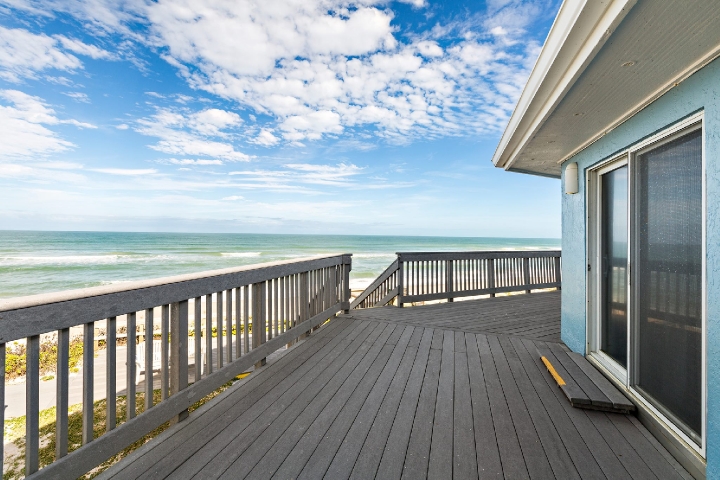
16	357
15	432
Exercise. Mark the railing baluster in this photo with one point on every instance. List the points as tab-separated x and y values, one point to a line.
246	318
2	402
208	335
228	323
61	391
238	316
110	369
197	336
88	382
219	326
149	340
164	363
32	405
131	349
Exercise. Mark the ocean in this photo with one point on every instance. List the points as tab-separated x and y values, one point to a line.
41	262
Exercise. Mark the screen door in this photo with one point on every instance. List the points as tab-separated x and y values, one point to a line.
667	279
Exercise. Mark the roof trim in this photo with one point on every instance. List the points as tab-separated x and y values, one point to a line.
580	29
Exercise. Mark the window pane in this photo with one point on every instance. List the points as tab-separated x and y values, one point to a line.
668	280
614	264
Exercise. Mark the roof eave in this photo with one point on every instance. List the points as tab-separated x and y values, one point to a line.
580	30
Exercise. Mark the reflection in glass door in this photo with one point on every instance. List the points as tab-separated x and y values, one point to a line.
667	280
614	249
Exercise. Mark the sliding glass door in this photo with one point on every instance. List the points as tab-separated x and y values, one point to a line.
648	320
614	257
667	289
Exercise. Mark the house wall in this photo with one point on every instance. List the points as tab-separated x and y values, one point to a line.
699	92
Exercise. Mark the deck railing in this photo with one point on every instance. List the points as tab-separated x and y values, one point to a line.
423	276
260	307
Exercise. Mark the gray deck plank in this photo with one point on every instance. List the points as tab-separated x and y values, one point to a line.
234	462
660	449
240	433
645	450
441	446
511	456
372	425
533	450
157	456
395	449
597	397
486	445
354	392
555	450
464	450
582	458
632	462
418	451
613	394
335	455
437	391
600	450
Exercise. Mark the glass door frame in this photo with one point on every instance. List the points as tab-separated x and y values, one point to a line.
627	376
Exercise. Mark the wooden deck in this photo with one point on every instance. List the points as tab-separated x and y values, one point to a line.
442	391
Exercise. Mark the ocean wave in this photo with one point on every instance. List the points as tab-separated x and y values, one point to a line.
79	259
241	254
374	255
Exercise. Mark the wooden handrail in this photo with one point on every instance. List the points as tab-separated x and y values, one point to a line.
267	306
423	276
367	297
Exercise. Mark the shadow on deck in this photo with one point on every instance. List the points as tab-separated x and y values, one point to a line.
443	391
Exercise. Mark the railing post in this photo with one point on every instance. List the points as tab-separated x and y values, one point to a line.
345	295
526	273
400	281
449	279
179	351
491	274
558	274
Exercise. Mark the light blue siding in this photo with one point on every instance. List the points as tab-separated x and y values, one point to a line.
699	92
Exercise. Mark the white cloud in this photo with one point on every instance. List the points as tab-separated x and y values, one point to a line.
188	161
78	96
265	138
76	46
188	133
127	172
122	126
331	175
233	198
22	54
320	68
325	67
24	120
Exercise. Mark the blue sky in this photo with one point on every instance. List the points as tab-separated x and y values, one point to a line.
284	116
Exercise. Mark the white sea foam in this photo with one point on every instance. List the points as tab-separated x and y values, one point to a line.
374	255
63	260
79	259
241	254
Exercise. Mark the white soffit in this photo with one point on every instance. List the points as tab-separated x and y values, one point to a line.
603	62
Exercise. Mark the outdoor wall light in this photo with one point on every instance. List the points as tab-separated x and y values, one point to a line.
571	178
